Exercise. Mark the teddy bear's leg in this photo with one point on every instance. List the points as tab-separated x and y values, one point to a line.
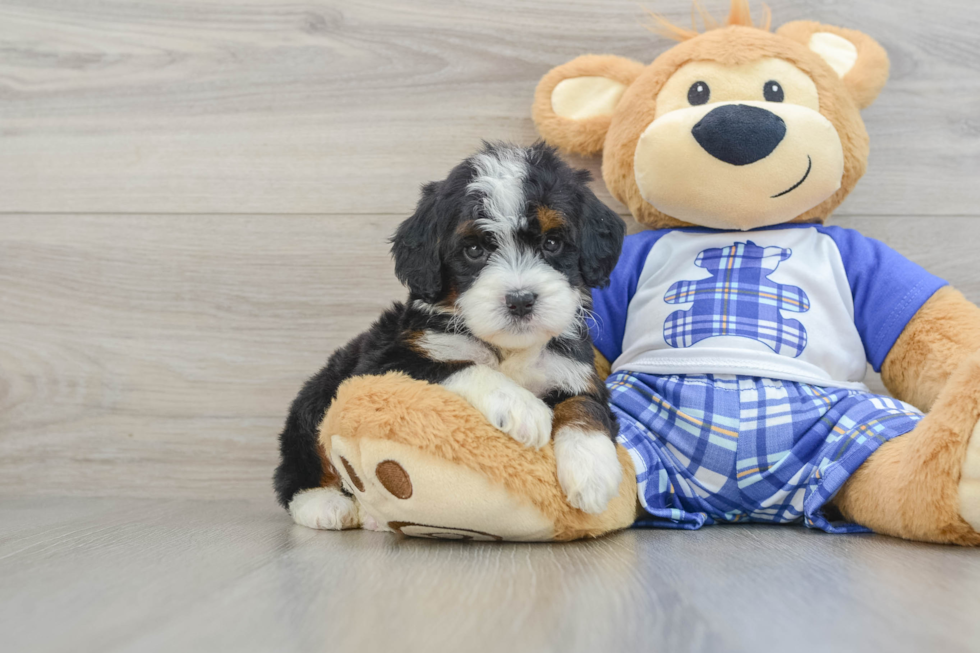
925	485
421	461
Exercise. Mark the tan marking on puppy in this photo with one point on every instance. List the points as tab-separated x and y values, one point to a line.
549	219
467	228
448	303
412	339
574	412
602	367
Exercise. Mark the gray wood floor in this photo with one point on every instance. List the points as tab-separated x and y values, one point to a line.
194	202
116	574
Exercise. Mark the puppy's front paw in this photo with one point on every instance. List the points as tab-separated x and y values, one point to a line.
520	414
588	468
324	508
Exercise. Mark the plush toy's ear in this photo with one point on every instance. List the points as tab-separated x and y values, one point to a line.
857	58
415	248
574	102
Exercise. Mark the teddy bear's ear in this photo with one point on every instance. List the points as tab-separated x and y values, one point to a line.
574	103
857	58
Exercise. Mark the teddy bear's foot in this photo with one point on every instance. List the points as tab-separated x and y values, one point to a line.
969	489
325	508
412	493
421	461
925	485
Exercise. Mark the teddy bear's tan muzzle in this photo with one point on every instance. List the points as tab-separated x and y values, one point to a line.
738	165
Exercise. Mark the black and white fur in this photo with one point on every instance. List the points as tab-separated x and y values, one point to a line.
499	258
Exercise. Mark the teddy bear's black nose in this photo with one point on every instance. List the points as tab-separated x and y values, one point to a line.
739	134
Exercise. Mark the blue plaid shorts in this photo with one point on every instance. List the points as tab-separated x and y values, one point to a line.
722	449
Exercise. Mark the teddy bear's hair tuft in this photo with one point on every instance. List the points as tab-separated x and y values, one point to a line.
738	14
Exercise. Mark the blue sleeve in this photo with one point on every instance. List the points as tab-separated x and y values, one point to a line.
609	304
888	289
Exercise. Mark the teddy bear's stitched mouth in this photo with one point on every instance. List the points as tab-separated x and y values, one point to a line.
809	166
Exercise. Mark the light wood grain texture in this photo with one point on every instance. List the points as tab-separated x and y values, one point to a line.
110	575
346	107
194	201
156	355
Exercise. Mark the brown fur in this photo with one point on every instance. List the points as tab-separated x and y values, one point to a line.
870	72
449	301
549	219
436	421
730	46
616	136
944	332
602	367
579	136
574	412
909	486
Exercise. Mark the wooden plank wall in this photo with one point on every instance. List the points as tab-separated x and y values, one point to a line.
195	197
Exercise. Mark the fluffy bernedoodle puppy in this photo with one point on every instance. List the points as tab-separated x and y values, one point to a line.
499	259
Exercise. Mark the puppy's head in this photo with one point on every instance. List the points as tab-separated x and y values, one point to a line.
510	242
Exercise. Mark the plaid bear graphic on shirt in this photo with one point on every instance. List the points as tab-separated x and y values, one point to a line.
738	299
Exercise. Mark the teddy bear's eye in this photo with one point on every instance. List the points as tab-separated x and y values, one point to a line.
772	91
698	93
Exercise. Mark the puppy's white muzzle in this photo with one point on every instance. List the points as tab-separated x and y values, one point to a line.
519	301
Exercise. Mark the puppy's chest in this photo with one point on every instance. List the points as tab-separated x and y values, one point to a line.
539	370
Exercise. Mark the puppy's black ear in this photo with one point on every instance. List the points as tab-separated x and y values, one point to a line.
415	248
600	242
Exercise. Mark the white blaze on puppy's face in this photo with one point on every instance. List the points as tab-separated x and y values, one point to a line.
513	267
500	179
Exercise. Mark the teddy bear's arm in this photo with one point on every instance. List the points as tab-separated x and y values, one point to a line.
943	333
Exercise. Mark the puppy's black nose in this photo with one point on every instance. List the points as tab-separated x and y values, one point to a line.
520	303
739	134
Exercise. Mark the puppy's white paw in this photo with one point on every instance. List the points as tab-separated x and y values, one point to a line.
520	414
588	468
324	508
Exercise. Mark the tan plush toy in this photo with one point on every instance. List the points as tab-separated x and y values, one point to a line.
737	328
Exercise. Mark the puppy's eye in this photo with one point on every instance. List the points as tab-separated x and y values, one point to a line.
772	91
551	245
698	93
474	252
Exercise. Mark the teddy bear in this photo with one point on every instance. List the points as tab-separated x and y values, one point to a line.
736	330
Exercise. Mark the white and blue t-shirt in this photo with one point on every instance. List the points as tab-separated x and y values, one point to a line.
803	303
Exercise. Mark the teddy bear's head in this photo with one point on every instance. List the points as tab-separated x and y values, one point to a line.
733	128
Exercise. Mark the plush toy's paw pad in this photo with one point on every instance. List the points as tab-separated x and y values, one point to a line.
324	508
970	482
521	415
588	468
